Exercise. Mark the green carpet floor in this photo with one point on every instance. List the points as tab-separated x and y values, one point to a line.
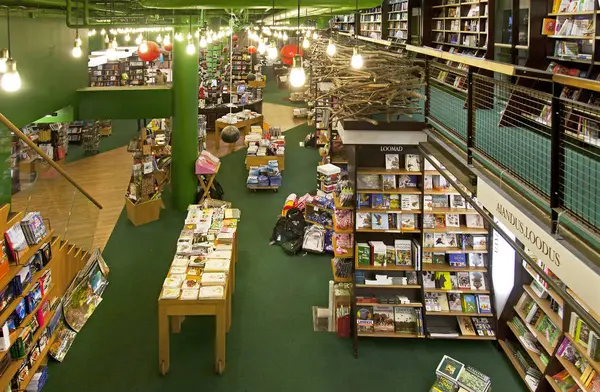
122	132
271	346
273	94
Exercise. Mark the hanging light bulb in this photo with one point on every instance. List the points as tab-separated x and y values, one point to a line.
114	43
357	60
209	39
11	80
76	52
106	39
285	36
297	75
272	51
167	39
331	49
144	47
262	48
307	33
159	38
111	53
203	42
197	33
3	60
127	37
215	37
102	32
220	35
306	43
315	35
91	32
228	32
190	48
138	40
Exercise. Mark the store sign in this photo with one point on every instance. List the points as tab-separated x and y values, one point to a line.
391	148
566	265
504	267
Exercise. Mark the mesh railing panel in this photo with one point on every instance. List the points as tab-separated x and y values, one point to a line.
447	95
580	158
512	128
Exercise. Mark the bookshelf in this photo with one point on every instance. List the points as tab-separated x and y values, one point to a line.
345	23
372	23
105	75
549	345
398	17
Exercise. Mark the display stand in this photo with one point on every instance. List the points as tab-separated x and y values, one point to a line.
207	182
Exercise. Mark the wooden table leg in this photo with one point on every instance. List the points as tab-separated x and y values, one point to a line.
176	324
229	295
220	337
163	341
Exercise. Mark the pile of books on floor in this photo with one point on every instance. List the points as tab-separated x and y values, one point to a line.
265	175
454	376
200	267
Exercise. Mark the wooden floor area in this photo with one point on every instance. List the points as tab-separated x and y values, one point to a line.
105	176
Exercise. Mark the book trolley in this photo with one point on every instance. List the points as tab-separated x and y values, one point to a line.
201	279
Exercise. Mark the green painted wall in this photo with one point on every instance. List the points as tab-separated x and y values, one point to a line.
50	76
118	103
65	114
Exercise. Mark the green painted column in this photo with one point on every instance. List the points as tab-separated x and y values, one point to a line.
185	125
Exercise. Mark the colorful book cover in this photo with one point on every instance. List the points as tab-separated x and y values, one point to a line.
457	201
364	254
469	303
429	240
439	258
548	26
477	280
466	326
457	260
377	200
405	320
363	220
428	221
442	384
392	161
378	252
427	257
443	280
479	242
483	304
364	200
450	368
364	319
405	202
408	221
440	221
407	181
390	255
394	201
473	380
403	252
454	302
389	181
427	202
452	220
474	221
464	283
379	221
383	318
385	201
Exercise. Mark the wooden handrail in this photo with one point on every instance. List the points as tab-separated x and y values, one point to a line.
46	158
506	69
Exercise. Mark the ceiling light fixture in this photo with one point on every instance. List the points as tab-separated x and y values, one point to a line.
331	49
190	48
297	74
102	32
356	61
272	50
11	80
76	52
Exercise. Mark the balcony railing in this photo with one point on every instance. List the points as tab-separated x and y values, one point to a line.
539	128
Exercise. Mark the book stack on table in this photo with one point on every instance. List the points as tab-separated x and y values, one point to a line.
454	376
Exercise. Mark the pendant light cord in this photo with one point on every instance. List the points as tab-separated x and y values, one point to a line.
357	24
230	69
298	31
8	32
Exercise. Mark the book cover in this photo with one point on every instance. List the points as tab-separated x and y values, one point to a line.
392	161
432	303
385	201
450	368
443	301
473	380
477	280
379	221
415	202
484	305
476	260
452	220
405	202
442	384
363	220
439	201
469	303
454	282
406	181
412	162
479	242
368	181
440	221
427	257
593	347
390	255
389	181
582	333
443	280
405	320
474	221
482	326
548	26
408	221
445	240
454	302
457	260
428	280
364	200
428	183
466	326
438	258
364	253
403	252
428	221
428	240
428	202
377	200
457	201
394	201
378	253
364	319
383	318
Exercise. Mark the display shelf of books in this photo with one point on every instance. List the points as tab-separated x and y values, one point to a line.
388	298
344	23
105	75
399	20
460	24
135	70
371	22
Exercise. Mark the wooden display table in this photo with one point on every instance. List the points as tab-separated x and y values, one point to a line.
206	182
213	113
171	314
258	83
243	126
253	160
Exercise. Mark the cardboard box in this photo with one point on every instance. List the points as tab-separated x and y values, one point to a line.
144	212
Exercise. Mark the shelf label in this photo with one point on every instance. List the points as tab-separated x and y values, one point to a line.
567	266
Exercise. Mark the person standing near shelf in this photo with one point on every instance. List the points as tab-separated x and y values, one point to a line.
161	78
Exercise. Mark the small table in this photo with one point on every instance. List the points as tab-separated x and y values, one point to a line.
206	182
171	313
255	160
243	126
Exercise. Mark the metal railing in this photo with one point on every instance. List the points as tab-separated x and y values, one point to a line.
543	129
40	184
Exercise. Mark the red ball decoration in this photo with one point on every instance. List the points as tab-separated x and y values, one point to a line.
224	49
168	47
288	52
234	38
251	49
152	54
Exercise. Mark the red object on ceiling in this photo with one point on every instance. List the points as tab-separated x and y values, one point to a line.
169	47
152	53
234	38
288	52
251	49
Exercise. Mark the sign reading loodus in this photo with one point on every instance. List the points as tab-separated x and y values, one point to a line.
568	267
